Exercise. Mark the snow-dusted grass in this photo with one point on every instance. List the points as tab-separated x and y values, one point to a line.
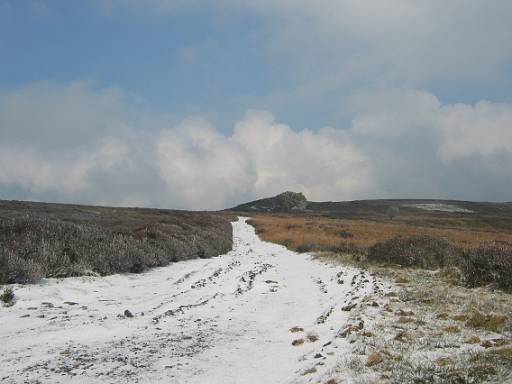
229	319
428	331
128	241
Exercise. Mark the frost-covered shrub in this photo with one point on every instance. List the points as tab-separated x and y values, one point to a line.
489	263
420	251
33	248
7	296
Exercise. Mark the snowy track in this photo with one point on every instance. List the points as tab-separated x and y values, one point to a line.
221	320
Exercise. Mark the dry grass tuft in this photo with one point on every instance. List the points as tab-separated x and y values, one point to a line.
491	322
461	317
374	359
452	329
473	340
309	371
311	337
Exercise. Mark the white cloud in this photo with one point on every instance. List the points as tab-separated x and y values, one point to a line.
260	158
420	147
483	129
80	144
76	143
201	167
322	164
383	114
59	172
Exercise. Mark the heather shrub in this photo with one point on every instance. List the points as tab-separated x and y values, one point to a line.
307	247
348	247
491	263
420	251
344	234
8	297
20	270
33	248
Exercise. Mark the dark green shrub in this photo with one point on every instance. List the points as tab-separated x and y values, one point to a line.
344	234
347	247
7	296
307	247
491	263
421	251
288	243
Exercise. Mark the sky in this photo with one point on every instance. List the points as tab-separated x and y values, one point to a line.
201	104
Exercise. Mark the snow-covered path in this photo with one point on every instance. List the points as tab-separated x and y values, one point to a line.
221	320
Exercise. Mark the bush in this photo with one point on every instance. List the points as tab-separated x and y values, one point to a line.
344	234
7	297
307	247
420	251
347	247
489	263
20	270
34	248
392	212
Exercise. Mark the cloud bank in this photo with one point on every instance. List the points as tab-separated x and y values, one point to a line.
78	143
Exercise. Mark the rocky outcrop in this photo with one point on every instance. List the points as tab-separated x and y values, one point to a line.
284	202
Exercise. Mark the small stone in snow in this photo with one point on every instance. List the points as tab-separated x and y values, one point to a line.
127	313
349	307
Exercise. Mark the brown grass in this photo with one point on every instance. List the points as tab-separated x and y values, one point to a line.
491	322
298	232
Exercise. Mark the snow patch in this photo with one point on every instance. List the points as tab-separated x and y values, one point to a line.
440	207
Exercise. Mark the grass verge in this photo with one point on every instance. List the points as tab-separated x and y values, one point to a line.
427	330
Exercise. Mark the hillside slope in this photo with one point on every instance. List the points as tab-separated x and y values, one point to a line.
284	202
59	240
423	212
